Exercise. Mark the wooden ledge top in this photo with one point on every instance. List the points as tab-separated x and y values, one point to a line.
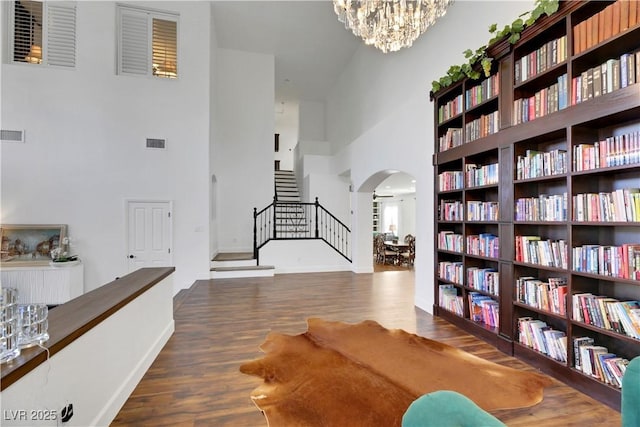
71	320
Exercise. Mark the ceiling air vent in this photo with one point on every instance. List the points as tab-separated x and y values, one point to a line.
11	135
156	143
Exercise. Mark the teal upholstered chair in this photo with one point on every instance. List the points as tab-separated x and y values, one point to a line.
630	406
447	408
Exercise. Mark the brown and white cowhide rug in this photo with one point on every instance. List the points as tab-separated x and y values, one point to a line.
339	374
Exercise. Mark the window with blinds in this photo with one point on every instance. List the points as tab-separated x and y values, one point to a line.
147	43
43	32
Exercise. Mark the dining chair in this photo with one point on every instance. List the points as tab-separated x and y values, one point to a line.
410	254
385	254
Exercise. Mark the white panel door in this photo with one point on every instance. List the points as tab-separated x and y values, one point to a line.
149	234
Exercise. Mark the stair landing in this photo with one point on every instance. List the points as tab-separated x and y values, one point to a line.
226	265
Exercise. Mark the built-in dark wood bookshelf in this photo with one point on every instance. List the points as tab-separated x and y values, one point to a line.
537	216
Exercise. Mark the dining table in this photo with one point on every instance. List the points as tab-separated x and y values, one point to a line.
397	246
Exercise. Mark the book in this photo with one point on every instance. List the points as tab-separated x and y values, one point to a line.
633	13
577	355
624	14
595	27
615	20
597	82
608	22
601	25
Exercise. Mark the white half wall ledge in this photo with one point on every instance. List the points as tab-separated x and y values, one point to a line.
99	370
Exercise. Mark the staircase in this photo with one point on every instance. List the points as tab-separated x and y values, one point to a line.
290	216
290	222
286	186
285	219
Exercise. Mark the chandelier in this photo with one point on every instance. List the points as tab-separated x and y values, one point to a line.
389	25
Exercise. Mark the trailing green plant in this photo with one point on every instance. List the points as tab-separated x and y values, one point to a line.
469	69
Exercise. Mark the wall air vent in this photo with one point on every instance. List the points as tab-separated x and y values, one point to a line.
11	135
156	143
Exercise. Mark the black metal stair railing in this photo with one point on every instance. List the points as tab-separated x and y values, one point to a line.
299	221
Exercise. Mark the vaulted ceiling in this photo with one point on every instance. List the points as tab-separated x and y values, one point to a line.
311	47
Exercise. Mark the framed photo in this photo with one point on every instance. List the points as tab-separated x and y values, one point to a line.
29	244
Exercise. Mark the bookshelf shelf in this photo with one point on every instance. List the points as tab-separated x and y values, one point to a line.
605	171
540	267
452	120
606	278
552	161
540	311
482	292
521	349
481	257
493	101
608	332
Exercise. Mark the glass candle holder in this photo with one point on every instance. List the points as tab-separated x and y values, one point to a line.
33	324
9	331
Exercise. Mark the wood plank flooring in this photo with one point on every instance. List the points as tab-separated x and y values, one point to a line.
195	380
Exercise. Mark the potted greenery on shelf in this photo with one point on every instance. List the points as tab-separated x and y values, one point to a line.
470	68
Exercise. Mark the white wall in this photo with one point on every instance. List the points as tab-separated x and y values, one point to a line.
214	200
85	150
243	144
302	256
379	116
332	192
287	126
312	121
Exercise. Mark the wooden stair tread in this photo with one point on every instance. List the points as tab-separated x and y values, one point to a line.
244	268
233	256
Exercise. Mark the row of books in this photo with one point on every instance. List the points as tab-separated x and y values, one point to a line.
483	126
450	180
478	175
540	60
483	244
536	164
597	362
549	253
474	176
450	109
450	241
482	211
536	334
452	271
612	261
614	74
489	88
451	210
544	208
484	279
548	295
449	299
452	138
622	205
484	309
543	102
619	150
609	22
608	313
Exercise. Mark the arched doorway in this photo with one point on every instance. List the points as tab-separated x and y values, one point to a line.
393	220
